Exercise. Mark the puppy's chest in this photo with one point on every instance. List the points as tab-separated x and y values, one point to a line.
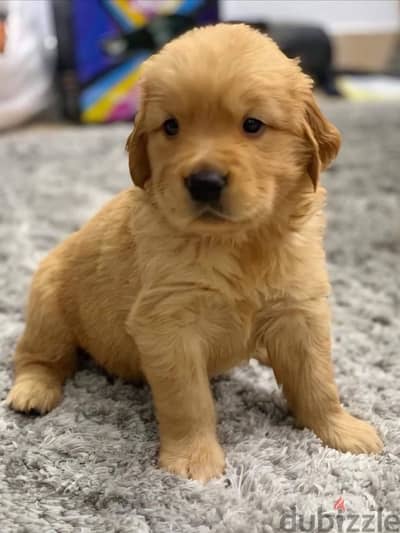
236	289
234	277
234	280
208	291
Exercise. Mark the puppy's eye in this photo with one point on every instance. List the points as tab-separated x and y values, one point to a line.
252	125
171	127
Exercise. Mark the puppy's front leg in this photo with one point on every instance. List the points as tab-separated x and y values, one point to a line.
298	342
175	366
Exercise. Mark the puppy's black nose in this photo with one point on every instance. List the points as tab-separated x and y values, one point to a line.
205	185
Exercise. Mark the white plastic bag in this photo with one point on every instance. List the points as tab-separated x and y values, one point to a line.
26	66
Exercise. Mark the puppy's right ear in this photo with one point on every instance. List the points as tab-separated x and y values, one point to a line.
136	146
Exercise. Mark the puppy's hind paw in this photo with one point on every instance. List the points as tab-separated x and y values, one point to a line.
32	395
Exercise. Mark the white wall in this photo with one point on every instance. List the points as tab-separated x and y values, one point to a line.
336	16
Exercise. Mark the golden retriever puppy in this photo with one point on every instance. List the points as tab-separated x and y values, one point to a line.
215	256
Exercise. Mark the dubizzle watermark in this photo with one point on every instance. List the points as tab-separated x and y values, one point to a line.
340	520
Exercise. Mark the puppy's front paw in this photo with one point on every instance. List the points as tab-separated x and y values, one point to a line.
349	434
32	394
201	458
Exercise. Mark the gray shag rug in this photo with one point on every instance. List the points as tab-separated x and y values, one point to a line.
90	465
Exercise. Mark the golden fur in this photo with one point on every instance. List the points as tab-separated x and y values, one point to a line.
155	287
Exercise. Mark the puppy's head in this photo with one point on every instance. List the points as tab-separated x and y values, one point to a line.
227	130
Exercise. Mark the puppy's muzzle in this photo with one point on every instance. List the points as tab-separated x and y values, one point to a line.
206	186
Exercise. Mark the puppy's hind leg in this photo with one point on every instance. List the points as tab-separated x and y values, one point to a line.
45	355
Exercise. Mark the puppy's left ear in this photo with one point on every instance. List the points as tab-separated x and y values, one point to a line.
136	146
324	139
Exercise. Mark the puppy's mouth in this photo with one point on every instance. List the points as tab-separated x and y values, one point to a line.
213	214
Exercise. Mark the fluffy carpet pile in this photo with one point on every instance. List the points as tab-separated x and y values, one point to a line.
90	465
